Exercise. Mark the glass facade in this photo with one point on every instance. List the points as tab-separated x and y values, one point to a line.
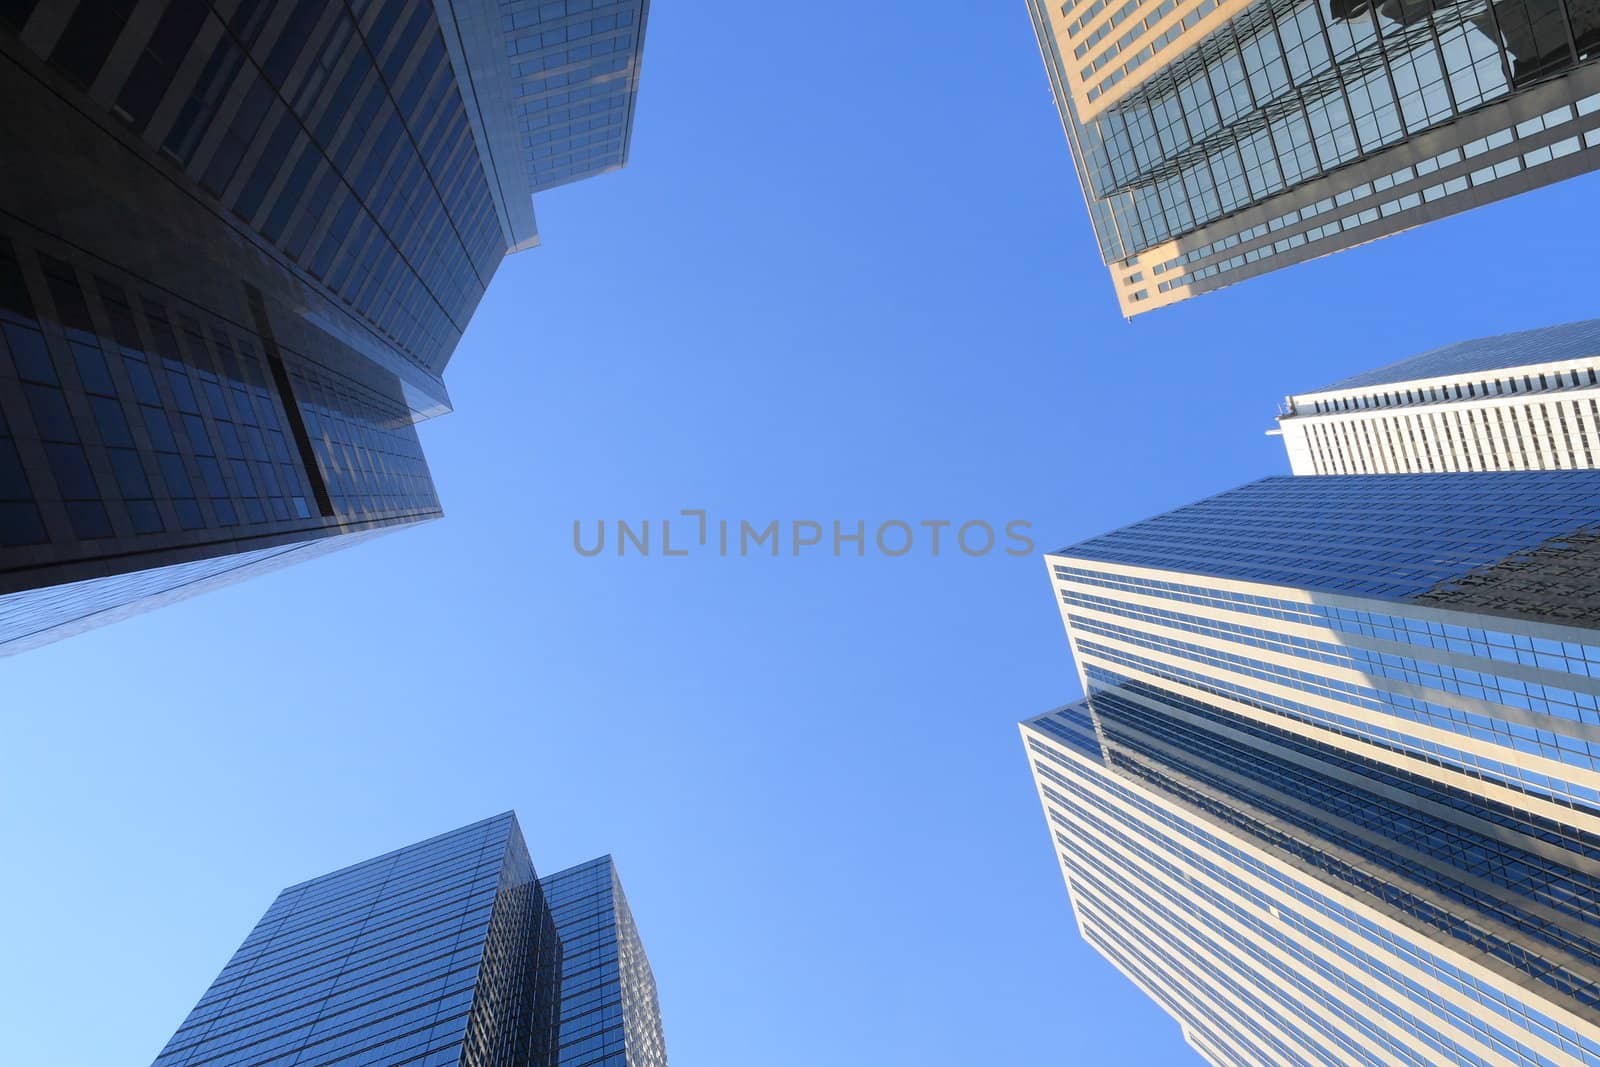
336	133
240	243
440	953
1403	537
575	70
39	616
1334	792
148	442
448	953
1216	139
1263	954
609	1013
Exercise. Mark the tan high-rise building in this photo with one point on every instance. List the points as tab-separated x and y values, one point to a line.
1220	139
1333	795
1520	401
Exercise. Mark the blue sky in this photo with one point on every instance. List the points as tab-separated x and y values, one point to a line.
847	275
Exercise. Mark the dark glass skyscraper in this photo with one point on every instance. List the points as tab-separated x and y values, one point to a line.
239	242
609	1013
1333	794
448	953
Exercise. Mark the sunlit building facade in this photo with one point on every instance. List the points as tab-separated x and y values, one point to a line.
238	245
447	953
1216	140
1520	401
1333	793
609	1013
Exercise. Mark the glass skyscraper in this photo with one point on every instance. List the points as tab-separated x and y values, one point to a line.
1333	793
239	242
1519	401
1219	139
609	1013
448	953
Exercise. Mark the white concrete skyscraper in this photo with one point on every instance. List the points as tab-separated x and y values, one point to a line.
1519	401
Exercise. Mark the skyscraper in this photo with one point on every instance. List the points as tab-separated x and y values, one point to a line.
1520	401
448	952
238	245
609	1014
1219	139
1333	793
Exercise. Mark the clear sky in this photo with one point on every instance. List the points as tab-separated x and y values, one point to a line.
847	275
